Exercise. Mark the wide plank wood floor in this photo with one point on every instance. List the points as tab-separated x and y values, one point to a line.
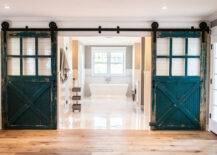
107	142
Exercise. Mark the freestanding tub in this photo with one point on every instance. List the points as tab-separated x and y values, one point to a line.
108	90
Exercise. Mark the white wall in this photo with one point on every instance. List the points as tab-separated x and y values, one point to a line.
64	88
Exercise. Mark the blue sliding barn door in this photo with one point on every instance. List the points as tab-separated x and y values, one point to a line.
29	80
177	81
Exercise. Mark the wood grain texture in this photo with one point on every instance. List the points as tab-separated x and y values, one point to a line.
108	142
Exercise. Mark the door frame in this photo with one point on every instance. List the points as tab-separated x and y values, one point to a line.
212	125
213	40
154	28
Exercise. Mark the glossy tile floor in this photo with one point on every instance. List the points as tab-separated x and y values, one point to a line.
105	113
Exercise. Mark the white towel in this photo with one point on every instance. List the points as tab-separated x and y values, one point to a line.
64	67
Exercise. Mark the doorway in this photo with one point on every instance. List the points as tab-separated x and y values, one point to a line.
108	70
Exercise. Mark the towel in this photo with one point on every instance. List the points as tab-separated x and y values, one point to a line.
64	66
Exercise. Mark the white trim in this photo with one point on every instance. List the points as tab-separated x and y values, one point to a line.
103	19
212	125
1	86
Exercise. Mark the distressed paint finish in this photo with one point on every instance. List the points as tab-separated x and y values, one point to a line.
177	99
177	102
205	76
29	102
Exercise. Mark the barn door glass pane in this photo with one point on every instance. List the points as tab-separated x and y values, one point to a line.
193	67
13	46
44	66
178	46
29	66
194	47
178	67
44	46
28	46
163	46
13	66
162	67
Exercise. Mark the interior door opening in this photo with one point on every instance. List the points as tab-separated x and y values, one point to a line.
104	73
108	63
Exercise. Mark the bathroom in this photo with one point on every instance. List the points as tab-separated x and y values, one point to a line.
108	72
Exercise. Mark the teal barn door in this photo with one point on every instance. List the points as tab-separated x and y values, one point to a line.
177	81
29	80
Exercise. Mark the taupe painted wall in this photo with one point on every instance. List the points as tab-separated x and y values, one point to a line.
129	55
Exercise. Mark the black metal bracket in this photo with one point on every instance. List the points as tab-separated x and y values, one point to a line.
154	27
53	26
204	28
118	29
100	29
5	26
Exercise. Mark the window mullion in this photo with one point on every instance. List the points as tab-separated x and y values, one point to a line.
186	56
21	56
170	57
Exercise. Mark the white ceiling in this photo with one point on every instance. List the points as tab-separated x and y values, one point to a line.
107	40
120	9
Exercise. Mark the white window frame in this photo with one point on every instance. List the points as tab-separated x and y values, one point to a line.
108	50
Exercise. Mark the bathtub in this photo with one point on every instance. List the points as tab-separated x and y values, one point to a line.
108	90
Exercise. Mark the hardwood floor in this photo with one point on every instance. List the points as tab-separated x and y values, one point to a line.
107	142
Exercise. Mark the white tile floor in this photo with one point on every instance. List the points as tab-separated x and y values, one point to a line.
104	113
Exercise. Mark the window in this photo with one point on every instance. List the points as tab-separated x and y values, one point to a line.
108	60
178	57
29	56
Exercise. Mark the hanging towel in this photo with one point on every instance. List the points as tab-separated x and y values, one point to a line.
64	67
